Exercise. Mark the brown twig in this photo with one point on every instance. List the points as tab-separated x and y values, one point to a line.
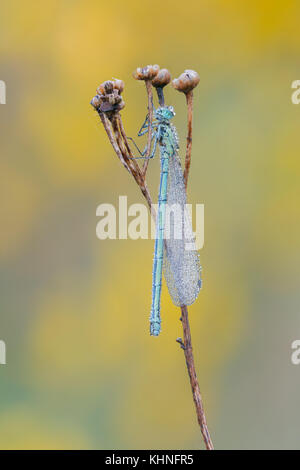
115	132
128	154
106	124
189	101
186	345
150	115
185	83
162	79
134	168
160	96
136	173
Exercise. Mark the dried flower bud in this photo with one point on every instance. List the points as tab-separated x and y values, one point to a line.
106	107
118	85
109	106
114	98
96	101
162	78
108	98
105	88
188	80
108	86
121	105
146	73
112	102
100	90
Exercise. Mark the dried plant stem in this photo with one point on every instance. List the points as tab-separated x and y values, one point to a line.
187	343
150	114
118	124
117	137
189	101
106	124
160	95
190	364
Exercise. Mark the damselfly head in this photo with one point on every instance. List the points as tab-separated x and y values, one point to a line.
165	113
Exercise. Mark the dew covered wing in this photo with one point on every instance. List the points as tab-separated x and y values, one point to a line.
181	259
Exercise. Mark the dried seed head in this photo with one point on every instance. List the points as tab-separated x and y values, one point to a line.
100	90
111	102
96	101
108	86
105	88
188	80
121	105
118	85
162	78
146	73
111	105
113	98
108	98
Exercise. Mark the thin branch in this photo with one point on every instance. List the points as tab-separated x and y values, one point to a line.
186	345
150	113
136	173
121	130
160	95
134	169
189	101
106	124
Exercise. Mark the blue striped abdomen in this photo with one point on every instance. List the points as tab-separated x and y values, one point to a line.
159	247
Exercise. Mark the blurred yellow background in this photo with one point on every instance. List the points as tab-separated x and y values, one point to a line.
82	370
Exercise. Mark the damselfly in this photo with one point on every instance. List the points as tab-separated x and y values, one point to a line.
176	253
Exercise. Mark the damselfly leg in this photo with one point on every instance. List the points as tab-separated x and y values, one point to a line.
143	152
144	130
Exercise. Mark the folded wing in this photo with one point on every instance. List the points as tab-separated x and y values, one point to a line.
181	260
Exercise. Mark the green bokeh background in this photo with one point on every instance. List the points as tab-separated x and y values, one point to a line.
82	371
